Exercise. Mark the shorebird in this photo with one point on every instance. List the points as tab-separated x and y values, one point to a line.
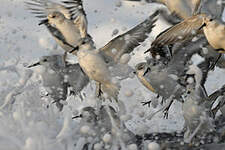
197	25
97	63
170	80
183	9
66	22
58	79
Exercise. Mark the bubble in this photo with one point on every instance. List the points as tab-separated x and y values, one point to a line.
98	146
114	51
173	76
180	37
113	20
153	146
66	78
190	80
132	147
85	129
125	58
158	57
16	116
107	138
115	32
28	113
129	93
30	144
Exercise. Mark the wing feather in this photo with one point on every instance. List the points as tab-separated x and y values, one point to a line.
126	42
179	33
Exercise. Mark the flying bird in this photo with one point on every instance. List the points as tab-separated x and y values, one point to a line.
58	79
170	80
183	9
179	9
197	25
96	63
66	21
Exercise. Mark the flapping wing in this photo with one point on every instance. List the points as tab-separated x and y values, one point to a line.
75	8
180	32
126	42
78	15
71	9
183	54
41	8
196	6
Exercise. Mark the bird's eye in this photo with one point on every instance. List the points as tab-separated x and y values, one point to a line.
211	19
44	60
53	16
140	67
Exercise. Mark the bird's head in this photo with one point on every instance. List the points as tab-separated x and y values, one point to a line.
55	18
140	68
48	61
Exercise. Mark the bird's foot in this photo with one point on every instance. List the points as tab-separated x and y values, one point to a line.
100	93
147	70
146	103
166	113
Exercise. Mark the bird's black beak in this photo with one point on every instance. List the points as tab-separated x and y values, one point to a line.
202	26
33	65
79	116
74	49
45	21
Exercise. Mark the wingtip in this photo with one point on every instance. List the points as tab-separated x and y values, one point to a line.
147	51
45	21
156	13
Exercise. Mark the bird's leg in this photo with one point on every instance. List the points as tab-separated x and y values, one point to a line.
98	90
148	102
162	100
166	110
214	63
64	58
147	70
72	93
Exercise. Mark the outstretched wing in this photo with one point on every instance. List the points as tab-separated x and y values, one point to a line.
183	54
126	42
71	9
180	32
78	15
41	8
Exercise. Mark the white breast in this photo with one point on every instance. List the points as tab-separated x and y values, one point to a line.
93	65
